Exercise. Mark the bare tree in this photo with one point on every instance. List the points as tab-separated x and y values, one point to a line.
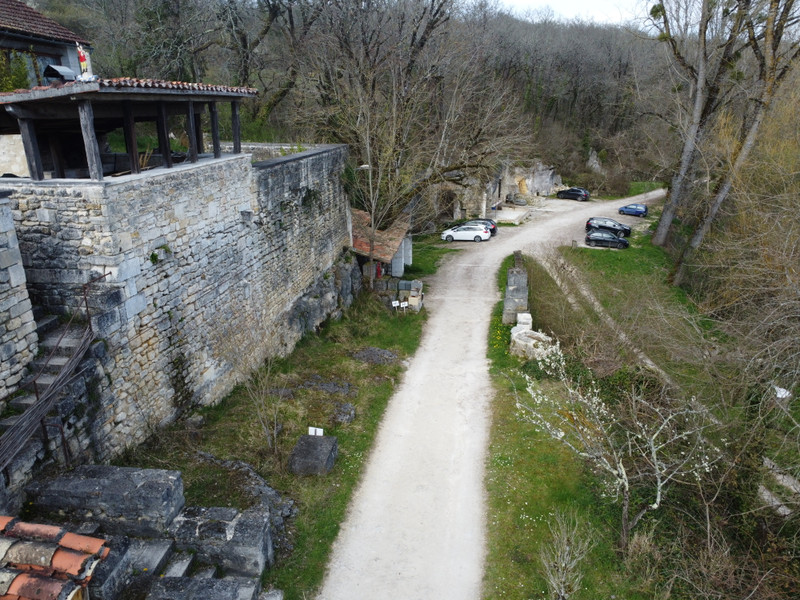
716	65
561	558
403	88
639	446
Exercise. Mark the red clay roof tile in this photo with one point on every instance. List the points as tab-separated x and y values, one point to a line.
29	585
35	531
84	543
31	554
19	17
44	562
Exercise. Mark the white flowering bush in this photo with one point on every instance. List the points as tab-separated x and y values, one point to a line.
632	442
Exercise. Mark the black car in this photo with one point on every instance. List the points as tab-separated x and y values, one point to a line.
490	224
574	193
599	237
607	224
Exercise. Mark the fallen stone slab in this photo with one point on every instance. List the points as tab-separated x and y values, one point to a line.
239	543
123	500
314	455
191	588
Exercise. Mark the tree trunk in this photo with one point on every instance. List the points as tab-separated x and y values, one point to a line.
625	529
720	197
701	99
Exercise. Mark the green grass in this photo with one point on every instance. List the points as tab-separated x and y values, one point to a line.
428	252
529	478
232	432
640	187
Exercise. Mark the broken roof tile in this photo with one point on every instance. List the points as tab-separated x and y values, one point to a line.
84	543
45	562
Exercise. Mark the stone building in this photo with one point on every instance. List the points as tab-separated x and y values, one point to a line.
190	269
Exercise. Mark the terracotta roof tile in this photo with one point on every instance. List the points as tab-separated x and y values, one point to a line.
45	562
29	585
125	84
84	543
19	17
35	531
387	241
26	554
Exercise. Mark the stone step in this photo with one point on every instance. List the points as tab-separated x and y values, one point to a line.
188	588
8	422
179	564
150	555
42	382
63	346
45	324
23	402
53	366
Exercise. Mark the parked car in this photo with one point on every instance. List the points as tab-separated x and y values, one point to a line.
636	209
607	224
477	233
574	193
516	199
600	237
489	223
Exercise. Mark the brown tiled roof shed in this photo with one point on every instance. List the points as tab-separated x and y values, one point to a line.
20	18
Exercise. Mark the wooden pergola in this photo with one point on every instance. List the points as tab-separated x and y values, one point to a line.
61	116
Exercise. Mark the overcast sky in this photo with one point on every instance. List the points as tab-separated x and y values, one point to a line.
598	11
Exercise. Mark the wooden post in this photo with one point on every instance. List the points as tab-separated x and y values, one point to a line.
163	135
57	156
95	163
214	113
191	132
129	129
198	128
237	129
28	132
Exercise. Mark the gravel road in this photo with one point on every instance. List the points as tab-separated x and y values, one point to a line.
416	525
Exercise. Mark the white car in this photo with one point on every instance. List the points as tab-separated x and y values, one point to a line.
477	233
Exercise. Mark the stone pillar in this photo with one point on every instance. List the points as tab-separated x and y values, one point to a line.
18	339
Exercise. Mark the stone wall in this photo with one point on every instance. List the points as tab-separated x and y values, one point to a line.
18	340
209	268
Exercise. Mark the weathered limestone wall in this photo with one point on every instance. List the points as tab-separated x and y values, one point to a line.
209	269
18	340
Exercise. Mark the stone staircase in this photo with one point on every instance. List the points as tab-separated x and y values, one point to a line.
161	549
31	440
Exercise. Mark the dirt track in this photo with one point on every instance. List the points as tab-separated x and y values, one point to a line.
416	526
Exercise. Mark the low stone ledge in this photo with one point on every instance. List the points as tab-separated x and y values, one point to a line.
191	588
123	500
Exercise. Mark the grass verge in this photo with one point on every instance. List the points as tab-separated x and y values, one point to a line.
299	387
530	476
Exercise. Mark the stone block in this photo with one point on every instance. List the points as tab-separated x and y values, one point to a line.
109	578
191	588
240	543
314	455
16	276
135	305
124	500
9	256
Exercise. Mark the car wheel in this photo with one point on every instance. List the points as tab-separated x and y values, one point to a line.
560	195
592	243
622	212
449	238
620	245
478	238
